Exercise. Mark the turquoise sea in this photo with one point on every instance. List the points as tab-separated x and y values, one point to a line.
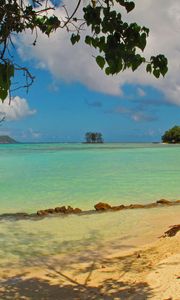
39	176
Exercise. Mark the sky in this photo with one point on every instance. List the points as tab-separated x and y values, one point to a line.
71	95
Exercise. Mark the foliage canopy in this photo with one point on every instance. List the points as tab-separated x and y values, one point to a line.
172	135
94	137
119	44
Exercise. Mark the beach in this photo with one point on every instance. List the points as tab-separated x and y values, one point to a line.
89	150
111	255
152	271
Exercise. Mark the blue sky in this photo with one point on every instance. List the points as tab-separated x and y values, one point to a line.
71	96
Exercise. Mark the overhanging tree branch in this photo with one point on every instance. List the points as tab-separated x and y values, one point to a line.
120	44
73	14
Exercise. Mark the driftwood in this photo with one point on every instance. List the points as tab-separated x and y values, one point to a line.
172	231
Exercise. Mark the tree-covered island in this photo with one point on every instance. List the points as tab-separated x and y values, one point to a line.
94	138
172	136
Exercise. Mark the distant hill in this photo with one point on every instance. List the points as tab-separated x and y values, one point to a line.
5	139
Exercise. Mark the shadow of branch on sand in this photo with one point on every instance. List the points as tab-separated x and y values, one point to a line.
22	288
67	276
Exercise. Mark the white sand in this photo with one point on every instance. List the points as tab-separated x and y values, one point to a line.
152	272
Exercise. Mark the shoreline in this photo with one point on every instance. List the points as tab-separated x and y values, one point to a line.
133	265
98	208
151	271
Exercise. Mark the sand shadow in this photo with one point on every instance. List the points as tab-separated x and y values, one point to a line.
21	288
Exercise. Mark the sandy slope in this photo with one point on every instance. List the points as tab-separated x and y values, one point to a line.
152	272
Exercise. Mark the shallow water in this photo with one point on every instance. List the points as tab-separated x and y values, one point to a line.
37	176
81	238
46	175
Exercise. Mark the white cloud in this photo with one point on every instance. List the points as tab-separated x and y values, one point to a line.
141	92
135	114
17	109
75	63
142	117
34	134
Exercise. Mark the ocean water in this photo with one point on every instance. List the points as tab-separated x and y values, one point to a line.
39	176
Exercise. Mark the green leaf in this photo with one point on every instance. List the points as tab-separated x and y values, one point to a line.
6	72
142	42
97	29
149	68
156	73
75	38
100	61
136	63
129	6
3	94
95	42
146	30
119	65
102	43
88	40
164	70
108	71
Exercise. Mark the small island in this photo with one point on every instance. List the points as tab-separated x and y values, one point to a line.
172	136
94	138
5	139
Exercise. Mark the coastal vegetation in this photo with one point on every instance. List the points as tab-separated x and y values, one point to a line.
94	138
119	44
172	136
